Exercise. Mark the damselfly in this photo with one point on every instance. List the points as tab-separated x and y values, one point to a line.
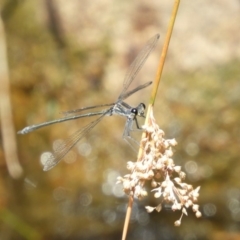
118	108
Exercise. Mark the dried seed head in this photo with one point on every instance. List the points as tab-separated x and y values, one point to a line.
198	214
157	194
195	207
171	142
153	183
143	193
177	169
177	180
157	165
130	165
159	207
177	223
149	209
182	175
126	185
150	174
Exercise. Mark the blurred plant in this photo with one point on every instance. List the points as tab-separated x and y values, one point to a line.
6	116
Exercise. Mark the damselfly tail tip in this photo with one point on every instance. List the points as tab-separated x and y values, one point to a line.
47	167
50	163
23	131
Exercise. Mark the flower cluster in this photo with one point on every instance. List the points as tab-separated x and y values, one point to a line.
155	164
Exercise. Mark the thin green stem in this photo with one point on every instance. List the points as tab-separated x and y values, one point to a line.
19	225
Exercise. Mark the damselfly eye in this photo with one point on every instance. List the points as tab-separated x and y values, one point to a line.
144	106
134	110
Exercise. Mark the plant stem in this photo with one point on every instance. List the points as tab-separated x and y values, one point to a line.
160	66
151	102
164	52
127	218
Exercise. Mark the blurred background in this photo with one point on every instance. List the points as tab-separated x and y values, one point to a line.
64	55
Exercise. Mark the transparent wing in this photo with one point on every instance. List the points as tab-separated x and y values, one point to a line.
67	113
137	64
63	148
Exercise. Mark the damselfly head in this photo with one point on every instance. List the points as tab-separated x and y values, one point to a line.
141	109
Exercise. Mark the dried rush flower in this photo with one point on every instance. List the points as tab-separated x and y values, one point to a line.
156	165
